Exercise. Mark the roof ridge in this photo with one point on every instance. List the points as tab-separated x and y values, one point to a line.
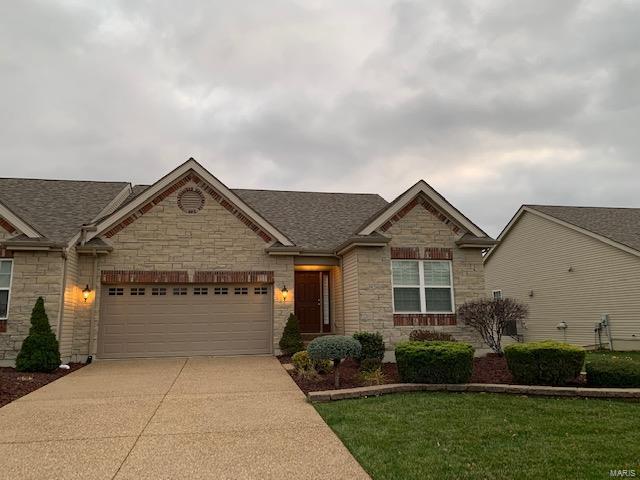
533	205
64	180
306	191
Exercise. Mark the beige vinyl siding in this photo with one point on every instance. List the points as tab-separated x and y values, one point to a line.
536	256
71	296
351	300
337	302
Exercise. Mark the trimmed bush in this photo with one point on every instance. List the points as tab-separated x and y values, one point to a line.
334	348
430	336
40	351
434	362
613	371
372	345
291	341
544	363
301	361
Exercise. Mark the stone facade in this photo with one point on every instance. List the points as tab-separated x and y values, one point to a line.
418	228
167	238
34	274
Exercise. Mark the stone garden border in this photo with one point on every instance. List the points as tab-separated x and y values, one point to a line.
538	390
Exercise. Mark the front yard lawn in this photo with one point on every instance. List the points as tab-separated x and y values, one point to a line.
479	436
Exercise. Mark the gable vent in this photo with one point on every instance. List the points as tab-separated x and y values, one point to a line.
191	200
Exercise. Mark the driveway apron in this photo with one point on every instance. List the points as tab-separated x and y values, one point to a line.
175	418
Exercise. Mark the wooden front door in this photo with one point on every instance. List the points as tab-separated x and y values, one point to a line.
308	301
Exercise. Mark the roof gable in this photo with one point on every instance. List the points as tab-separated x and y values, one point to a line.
420	193
188	171
618	227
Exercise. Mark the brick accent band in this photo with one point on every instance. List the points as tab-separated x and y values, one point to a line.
233	277
190	177
113	277
7	226
423	319
424	202
415	253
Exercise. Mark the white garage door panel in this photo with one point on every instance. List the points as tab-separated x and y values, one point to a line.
178	325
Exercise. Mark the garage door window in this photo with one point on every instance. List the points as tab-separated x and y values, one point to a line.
241	291
260	290
158	291
220	291
137	291
201	291
180	291
116	292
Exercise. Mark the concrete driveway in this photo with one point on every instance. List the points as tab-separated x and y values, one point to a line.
196	418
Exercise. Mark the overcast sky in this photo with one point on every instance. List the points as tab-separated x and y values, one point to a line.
494	103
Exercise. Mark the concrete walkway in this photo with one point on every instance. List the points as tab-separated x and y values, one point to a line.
198	418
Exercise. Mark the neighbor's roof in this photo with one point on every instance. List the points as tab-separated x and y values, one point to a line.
57	208
621	225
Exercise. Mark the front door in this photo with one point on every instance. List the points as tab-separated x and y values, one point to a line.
308	301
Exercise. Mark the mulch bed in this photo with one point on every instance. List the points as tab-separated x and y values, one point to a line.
491	368
14	384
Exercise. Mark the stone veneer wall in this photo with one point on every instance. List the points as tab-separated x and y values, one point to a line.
418	228
166	238
34	274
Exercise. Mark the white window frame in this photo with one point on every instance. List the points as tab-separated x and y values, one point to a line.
422	286
499	292
8	289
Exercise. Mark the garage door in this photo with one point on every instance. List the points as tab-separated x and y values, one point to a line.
178	320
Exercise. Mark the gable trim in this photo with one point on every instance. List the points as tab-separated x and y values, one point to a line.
17	223
524	209
419	200
403	201
124	216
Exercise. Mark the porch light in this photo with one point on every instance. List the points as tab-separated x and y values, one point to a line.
285	292
86	291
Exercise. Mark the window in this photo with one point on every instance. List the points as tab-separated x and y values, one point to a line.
180	291
5	287
137	291
497	294
116	291
260	290
220	291
422	286
241	291
158	291
201	290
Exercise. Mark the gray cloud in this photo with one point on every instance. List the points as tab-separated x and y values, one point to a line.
495	103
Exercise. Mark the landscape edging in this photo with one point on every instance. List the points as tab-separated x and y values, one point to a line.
377	390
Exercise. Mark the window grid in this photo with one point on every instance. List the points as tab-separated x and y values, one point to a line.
497	294
158	291
180	291
116	291
201	290
260	290
422	286
6	270
241	291
220	291
136	291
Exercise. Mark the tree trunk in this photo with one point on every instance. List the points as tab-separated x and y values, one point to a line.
336	372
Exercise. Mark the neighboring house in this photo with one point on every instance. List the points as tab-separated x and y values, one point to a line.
577	265
187	266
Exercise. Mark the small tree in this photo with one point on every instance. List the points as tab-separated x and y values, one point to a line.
40	351
291	341
491	317
334	348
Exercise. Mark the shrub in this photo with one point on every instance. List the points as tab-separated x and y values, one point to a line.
491	317
430	336
373	377
370	364
544	363
372	345
334	348
302	362
613	371
291	341
434	362
40	351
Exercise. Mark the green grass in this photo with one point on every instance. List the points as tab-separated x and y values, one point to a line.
478	436
634	355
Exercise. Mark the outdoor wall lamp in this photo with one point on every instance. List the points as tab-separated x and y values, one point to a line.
285	292
86	291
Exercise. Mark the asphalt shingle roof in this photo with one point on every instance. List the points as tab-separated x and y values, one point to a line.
618	224
57	208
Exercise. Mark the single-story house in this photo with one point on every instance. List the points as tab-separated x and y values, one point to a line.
578	270
188	266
